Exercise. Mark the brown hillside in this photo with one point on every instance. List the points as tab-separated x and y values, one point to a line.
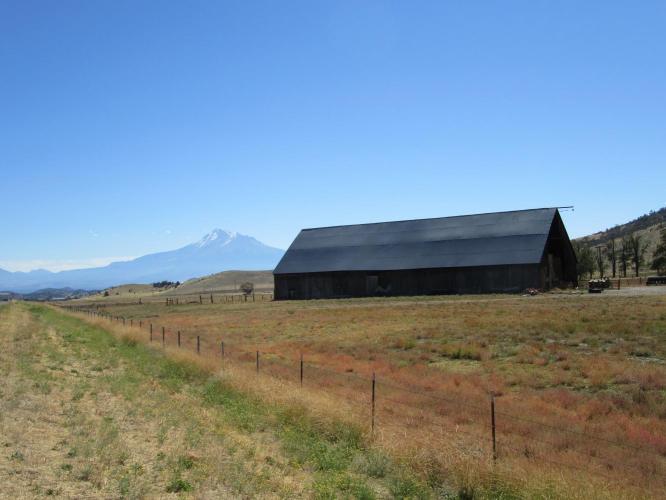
649	226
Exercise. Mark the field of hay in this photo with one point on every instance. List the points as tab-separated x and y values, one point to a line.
579	380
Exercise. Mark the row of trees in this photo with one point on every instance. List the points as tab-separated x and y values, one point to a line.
620	255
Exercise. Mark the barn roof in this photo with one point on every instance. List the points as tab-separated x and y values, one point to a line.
491	239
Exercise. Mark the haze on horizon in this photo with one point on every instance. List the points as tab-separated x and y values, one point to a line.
129	129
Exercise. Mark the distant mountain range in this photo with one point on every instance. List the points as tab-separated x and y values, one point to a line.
217	251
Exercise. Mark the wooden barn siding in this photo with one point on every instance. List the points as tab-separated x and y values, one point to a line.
490	279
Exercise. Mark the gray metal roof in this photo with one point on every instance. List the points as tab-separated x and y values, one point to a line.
501	238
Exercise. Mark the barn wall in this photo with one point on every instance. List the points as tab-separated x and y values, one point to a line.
489	279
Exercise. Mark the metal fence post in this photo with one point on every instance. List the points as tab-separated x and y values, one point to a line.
198	345
492	423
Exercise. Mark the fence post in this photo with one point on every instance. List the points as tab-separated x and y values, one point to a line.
151	332
211	298
140	323
257	361
198	345
131	322
301	369
492	423
162	336
200	300
222	349
178	338
372	427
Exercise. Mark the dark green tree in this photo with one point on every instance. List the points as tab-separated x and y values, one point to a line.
624	255
247	288
637	248
585	259
659	257
611	252
600	260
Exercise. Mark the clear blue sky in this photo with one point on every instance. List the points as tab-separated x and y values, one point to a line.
128	127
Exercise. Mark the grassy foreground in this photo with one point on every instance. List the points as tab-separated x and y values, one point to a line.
580	380
84	413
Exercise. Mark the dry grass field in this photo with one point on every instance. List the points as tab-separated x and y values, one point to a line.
91	412
580	381
227	282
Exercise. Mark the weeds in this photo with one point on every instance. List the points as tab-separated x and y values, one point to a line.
177	485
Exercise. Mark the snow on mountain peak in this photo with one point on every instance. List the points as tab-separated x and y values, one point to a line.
224	237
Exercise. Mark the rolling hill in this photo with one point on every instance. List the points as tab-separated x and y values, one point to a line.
648	226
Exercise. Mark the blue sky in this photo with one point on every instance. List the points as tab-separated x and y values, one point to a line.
128	127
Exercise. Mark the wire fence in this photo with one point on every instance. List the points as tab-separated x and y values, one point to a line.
189	299
483	428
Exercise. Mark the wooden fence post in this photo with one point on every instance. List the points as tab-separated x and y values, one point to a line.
151	332
163	337
222	349
178	338
257	361
198	345
301	369
372	425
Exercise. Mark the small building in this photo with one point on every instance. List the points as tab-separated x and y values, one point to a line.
484	253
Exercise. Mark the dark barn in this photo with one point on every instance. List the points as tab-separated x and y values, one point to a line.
484	253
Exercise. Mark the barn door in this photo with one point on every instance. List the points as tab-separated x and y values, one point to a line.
371	283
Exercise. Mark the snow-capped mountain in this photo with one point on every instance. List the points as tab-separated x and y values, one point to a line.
217	251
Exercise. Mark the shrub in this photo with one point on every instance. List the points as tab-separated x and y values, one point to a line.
373	464
178	484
